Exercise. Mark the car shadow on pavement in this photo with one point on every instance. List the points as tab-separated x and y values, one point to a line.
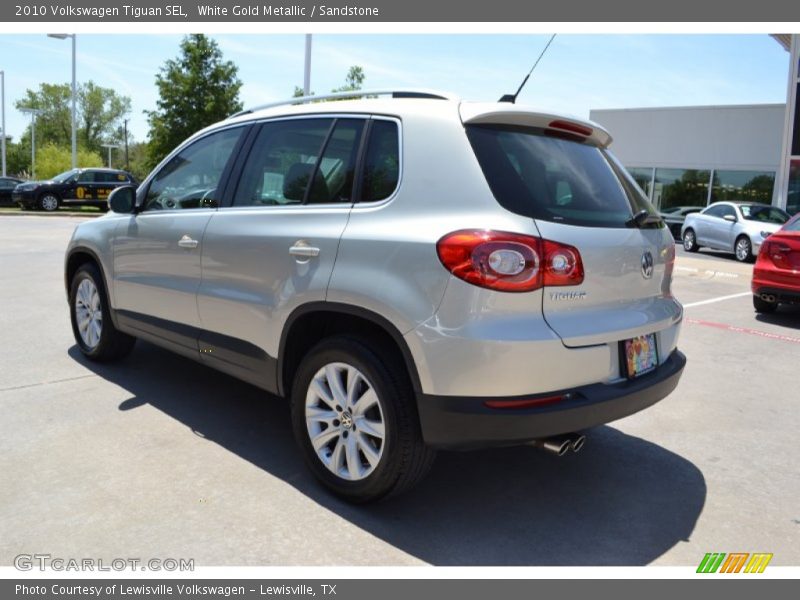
786	315
621	501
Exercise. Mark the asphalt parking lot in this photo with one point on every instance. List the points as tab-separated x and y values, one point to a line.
159	457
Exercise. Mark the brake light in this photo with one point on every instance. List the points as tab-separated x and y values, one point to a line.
509	262
777	253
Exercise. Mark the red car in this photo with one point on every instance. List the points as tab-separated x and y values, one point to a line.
776	275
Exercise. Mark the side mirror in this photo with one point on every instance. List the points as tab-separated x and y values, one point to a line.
730	218
123	199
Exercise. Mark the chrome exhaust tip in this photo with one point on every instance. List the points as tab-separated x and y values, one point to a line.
768	298
578	442
558	445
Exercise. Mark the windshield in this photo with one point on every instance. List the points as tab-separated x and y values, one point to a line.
65	176
555	179
764	214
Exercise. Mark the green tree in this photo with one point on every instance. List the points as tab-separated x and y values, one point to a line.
52	160
195	89
352	81
99	114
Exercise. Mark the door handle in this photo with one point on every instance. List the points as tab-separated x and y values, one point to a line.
301	248
187	242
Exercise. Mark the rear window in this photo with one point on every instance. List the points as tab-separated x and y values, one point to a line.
554	179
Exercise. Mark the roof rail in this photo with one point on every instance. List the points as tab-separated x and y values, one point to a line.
418	93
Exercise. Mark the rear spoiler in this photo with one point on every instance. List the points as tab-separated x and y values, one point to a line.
558	125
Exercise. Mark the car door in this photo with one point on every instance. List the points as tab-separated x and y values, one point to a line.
721	229
274	247
157	249
706	225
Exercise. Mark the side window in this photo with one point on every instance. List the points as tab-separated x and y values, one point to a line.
282	162
87	177
381	162
714	211
333	181
727	211
105	177
190	178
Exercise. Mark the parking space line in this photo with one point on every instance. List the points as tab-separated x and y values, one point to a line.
747	330
717	299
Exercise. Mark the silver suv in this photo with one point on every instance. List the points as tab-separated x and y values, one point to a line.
412	272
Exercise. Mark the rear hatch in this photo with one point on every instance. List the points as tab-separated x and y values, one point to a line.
558	172
783	250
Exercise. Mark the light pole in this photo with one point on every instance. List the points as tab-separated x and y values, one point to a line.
33	112
307	70
3	111
110	147
63	36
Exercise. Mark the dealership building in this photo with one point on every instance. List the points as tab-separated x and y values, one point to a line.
695	155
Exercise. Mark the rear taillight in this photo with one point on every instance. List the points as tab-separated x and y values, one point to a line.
509	262
777	252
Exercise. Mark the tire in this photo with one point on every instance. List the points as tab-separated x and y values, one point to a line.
764	307
99	340
743	249
49	202
690	241
398	460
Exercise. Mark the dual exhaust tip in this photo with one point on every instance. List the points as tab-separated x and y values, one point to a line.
771	298
561	444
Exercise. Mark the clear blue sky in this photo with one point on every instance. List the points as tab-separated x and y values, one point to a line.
578	73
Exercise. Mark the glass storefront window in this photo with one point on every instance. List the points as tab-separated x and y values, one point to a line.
747	186
643	177
796	128
793	197
680	187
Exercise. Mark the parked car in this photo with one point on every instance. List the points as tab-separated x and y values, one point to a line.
674	217
411	272
776	274
737	227
76	187
7	185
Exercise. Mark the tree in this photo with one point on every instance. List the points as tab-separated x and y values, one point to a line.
99	113
52	159
353	81
196	89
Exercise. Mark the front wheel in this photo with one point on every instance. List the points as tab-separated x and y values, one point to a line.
690	241
355	419
743	249
92	327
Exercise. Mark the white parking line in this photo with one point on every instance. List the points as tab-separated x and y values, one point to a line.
717	299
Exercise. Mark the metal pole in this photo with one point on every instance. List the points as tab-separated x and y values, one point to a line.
74	94
109	157
307	72
33	145
3	110
127	165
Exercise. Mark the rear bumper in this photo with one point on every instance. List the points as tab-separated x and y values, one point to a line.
782	294
459	422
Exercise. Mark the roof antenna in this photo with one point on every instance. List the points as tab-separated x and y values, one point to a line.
513	98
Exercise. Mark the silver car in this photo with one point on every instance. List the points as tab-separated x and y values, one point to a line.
411	272
737	227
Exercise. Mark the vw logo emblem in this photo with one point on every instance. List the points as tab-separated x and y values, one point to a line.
647	264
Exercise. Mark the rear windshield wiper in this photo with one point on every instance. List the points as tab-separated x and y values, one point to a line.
642	218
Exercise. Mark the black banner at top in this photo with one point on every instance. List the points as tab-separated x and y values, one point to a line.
321	11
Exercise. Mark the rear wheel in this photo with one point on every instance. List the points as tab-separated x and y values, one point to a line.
94	331
48	202
355	419
690	241
743	249
762	306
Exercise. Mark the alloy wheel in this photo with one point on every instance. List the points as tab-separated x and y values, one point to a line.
89	313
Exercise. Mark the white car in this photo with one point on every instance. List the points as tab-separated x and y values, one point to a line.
737	227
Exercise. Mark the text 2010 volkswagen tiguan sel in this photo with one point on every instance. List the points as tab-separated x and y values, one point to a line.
412	272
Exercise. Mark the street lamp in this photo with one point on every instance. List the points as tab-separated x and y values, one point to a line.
33	112
64	36
3	111
110	147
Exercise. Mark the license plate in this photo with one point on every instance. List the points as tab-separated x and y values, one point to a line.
640	355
